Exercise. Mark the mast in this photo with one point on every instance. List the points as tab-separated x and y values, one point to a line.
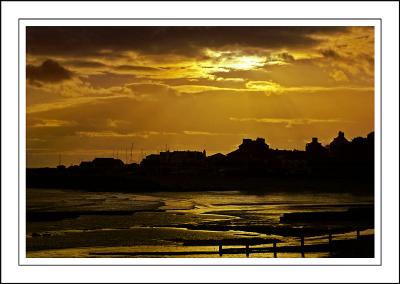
131	153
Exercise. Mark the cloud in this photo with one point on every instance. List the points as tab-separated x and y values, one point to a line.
151	89
330	53
108	80
235	83
53	123
256	74
142	134
339	76
49	71
197	89
207	133
189	132
76	88
135	68
188	41
282	58
288	121
266	86
113	123
85	64
180	85
216	92
74	102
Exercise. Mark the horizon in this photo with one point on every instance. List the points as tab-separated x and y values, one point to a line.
93	91
126	162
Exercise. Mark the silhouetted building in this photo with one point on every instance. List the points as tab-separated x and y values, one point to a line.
286	162
133	167
216	158
359	147
371	143
102	163
361	155
339	146
174	162
250	150
340	158
107	163
182	157
371	137
251	158
315	150
216	163
86	165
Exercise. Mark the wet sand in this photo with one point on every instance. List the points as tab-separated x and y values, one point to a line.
62	223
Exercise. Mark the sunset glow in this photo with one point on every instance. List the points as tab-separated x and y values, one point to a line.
95	91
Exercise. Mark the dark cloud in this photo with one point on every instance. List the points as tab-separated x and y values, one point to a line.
49	71
330	53
287	57
85	64
108	79
286	75
98	41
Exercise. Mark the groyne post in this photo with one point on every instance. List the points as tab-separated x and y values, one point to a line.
358	245
247	250
302	245
274	246
220	250
330	242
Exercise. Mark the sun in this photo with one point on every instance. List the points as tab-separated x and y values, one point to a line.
246	62
225	60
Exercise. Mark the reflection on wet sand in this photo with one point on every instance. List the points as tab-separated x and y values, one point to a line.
196	224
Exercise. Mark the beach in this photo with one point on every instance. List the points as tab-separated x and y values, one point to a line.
78	223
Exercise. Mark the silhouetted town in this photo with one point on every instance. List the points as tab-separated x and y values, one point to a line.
341	158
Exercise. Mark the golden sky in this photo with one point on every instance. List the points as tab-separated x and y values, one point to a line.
93	91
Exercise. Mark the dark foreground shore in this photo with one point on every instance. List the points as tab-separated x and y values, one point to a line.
361	248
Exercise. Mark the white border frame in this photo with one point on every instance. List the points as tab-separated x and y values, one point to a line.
387	11
199	261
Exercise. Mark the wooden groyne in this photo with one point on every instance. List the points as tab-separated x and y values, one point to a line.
358	246
333	247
